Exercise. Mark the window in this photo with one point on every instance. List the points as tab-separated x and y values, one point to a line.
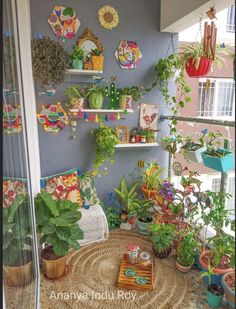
216	98
230	26
216	184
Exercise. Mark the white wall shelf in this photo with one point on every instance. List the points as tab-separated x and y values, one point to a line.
136	145
82	72
99	111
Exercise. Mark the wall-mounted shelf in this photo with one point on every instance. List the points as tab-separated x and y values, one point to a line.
136	145
101	111
82	72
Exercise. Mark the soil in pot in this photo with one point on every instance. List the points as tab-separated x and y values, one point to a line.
230	281
223	264
215	295
53	266
163	254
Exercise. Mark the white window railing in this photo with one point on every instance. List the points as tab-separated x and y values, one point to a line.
230	26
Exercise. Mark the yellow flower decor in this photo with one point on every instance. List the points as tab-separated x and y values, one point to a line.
108	17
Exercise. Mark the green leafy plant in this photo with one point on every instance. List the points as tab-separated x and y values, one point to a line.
134	91
208	273
172	142
95	89
113	218
106	139
77	54
57	223
142	209
187	248
152	179
75	92
50	62
96	52
16	232
162	236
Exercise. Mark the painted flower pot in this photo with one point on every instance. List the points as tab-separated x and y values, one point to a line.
77	64
97	62
182	268
222	164
125	101
143	227
77	103
164	145
214	301
202	69
229	293
193	152
95	100
19	275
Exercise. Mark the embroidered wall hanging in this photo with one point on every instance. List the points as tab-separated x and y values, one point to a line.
128	54
108	17
64	22
148	116
53	118
12	119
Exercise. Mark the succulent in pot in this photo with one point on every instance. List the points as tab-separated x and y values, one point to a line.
127	95
228	283
97	59
162	236
95	95
76	96
77	57
17	259
57	222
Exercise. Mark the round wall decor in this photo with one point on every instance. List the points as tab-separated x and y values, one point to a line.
108	17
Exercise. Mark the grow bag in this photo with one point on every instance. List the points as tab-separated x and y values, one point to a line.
219	164
203	67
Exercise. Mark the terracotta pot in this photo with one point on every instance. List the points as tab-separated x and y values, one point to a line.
229	293
218	271
54	269
19	275
202	70
183	269
148	193
163	254
97	62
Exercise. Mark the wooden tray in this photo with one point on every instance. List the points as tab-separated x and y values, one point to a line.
129	283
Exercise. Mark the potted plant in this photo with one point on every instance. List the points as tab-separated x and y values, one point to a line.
106	139
88	63
228	284
215	157
151	182
50	62
97	59
215	292
17	259
76	96
95	95
57	222
192	150
186	251
162	236
127	95
172	143
77	58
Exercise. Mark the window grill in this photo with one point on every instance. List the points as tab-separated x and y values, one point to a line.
230	26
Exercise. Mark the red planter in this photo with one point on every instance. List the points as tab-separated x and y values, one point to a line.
202	70
218	271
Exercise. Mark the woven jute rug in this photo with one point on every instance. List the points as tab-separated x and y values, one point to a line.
91	282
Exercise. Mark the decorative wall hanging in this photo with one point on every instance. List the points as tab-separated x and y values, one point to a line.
64	22
148	116
128	54
123	134
12	119
53	118
89	41
108	17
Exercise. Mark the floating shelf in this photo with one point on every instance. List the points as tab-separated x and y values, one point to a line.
101	111
83	72
136	145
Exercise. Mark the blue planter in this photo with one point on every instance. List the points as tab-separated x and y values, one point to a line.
78	64
219	164
215	279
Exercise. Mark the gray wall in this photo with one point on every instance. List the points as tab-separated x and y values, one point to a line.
139	21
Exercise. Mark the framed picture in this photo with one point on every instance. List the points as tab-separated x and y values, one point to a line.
123	134
148	116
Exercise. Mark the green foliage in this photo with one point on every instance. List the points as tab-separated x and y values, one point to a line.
112	217
208	273
106	140
75	92
134	91
16	231
96	52
95	89
187	248
141	209
57	223
162	236
49	61
152	179
77	54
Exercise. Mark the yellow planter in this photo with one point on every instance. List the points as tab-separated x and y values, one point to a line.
97	62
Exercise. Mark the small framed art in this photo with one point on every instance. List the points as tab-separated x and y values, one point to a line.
123	134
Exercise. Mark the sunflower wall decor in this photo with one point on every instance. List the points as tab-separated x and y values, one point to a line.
108	17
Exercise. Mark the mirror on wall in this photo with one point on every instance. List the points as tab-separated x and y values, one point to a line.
89	41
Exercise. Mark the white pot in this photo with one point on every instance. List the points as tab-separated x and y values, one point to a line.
194	155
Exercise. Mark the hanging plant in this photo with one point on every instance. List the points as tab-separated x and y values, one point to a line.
50	62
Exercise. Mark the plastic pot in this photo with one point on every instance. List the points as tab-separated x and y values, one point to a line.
202	69
125	101
77	64
229	293
192	154
95	100
214	301
143	227
97	62
222	164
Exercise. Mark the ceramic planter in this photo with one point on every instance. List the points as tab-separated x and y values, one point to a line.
77	103
202	70
125	101
219	164
183	269
229	293
97	62
214	301
77	64
95	100
19	275
54	269
193	152
143	227
162	255
148	193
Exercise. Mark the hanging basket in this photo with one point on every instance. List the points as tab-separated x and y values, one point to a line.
203	67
